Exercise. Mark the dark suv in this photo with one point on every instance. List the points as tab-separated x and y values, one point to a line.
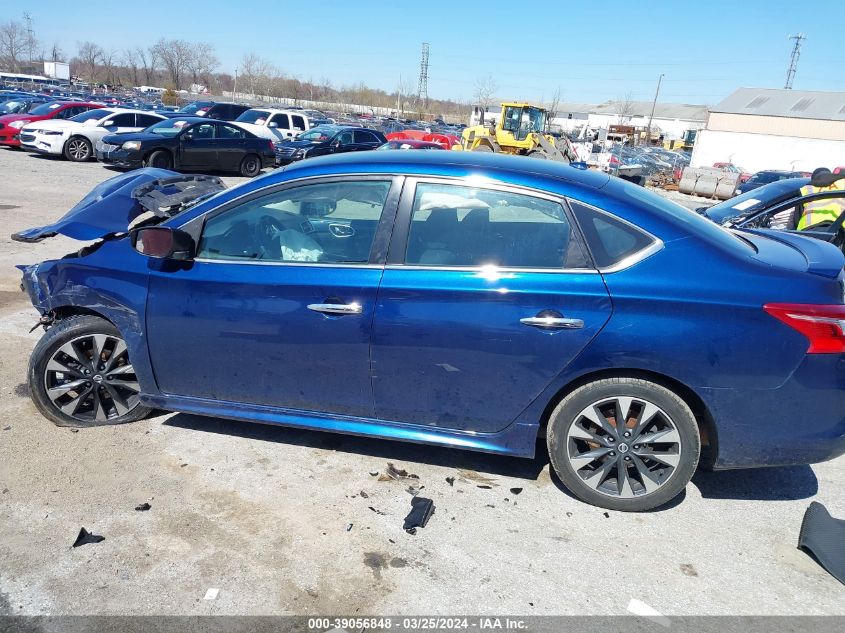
210	110
328	139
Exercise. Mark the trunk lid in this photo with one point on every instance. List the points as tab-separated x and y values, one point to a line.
796	252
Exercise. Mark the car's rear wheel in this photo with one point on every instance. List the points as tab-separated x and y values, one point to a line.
80	375
160	159
250	166
624	444
78	149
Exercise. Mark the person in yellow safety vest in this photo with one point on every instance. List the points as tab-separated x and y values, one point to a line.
826	211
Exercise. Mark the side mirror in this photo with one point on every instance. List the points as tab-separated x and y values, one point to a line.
336	145
161	242
188	136
272	124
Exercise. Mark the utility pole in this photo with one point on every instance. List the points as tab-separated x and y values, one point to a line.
29	38
235	87
793	62
651	116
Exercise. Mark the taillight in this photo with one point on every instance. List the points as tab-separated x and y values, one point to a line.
823	325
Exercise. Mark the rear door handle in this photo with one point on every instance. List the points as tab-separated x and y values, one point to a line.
336	308
553	323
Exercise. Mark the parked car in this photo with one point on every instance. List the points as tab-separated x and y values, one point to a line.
189	143
765	177
22	105
455	299
753	201
211	110
328	139
11	124
277	125
410	143
76	138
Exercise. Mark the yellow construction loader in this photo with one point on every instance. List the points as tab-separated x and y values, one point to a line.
519	130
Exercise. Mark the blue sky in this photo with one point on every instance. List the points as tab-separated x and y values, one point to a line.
593	51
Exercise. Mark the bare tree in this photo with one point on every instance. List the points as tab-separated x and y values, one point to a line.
90	55
130	61
202	63
175	56
148	59
624	107
553	106
14	43
56	53
110	67
485	91
255	71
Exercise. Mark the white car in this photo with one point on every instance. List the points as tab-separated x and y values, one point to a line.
277	125
76	138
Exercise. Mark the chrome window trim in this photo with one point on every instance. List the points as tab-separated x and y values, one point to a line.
632	259
492	269
253	262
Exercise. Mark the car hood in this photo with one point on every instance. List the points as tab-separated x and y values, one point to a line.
117	139
114	204
54	124
8	118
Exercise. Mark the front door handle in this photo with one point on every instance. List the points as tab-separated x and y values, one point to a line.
336	308
553	322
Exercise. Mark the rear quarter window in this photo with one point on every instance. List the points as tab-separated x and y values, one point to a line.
609	239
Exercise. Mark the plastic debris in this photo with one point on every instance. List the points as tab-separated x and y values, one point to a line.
414	490
823	536
450	481
515	491
86	537
421	511
349	527
7	428
211	594
143	507
485	487
377	511
364	495
477	478
391	473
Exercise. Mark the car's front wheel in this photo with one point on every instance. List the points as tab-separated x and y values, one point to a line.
160	159
250	166
78	149
80	374
624	444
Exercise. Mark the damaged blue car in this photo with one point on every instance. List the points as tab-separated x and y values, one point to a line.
472	301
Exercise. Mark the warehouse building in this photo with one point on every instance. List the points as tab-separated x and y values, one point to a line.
760	129
670	119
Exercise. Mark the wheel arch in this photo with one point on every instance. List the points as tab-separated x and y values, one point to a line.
167	150
69	310
703	417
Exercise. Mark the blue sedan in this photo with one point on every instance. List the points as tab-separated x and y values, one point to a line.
466	300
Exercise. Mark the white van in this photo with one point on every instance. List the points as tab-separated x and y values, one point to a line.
276	125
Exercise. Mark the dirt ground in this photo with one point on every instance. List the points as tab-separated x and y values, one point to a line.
292	522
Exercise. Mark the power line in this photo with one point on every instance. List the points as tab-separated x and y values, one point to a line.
793	62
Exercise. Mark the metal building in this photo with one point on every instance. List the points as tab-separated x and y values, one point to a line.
760	129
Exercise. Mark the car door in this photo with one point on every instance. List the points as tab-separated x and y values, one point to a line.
231	146
119	123
274	310
343	142
198	147
487	296
281	129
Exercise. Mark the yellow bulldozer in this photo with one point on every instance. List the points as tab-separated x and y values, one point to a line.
521	129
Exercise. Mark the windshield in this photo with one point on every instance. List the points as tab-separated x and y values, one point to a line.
13	107
533	119
755	199
317	134
253	116
191	108
45	108
765	177
168	127
91	114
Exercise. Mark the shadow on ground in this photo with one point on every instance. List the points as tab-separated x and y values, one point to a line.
785	483
766	484
387	450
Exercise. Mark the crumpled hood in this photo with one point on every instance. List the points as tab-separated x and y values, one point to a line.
109	208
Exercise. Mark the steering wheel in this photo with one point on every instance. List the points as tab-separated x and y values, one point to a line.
267	230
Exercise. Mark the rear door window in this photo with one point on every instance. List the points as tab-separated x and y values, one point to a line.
457	225
298	122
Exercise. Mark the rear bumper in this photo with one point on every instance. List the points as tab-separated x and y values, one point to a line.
801	422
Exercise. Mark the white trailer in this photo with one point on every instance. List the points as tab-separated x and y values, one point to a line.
57	70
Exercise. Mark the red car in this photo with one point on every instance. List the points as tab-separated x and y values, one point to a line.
409	143
446	141
11	124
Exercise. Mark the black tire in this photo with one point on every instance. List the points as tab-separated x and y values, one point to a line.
250	166
482	148
674	413
538	155
160	159
78	149
94	397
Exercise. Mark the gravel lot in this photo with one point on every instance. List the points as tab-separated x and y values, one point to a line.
264	513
